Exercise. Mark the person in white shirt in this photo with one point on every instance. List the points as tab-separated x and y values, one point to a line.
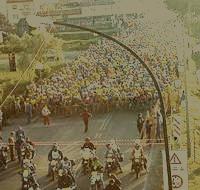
45	113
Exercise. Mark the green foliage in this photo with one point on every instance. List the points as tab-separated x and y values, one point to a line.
196	58
13	45
23	61
180	6
195	27
26	48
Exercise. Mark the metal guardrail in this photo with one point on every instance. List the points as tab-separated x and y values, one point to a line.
121	142
196	153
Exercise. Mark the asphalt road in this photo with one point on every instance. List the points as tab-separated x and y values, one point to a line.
69	132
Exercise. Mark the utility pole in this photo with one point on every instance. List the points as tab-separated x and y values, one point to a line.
187	109
186	56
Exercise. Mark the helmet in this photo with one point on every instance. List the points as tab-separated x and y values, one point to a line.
137	142
65	158
87	139
55	145
19	128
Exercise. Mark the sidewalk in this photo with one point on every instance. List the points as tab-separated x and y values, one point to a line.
194	113
194	121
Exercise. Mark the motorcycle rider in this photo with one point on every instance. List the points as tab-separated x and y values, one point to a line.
31	147
112	185
28	172
65	180
67	165
96	172
88	144
116	149
54	154
138	152
19	141
27	149
20	133
110	153
3	154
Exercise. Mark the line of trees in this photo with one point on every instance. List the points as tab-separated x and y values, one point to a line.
26	48
182	6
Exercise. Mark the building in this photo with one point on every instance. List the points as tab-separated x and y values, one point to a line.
18	9
96	2
57	11
3	22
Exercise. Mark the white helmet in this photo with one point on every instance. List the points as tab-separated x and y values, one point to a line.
137	142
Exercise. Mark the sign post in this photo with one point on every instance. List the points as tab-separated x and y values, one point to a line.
179	170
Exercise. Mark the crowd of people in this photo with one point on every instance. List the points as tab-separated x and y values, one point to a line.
106	77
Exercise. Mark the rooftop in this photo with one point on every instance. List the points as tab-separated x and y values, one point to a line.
18	1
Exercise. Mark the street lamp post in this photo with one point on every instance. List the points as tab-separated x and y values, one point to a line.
162	107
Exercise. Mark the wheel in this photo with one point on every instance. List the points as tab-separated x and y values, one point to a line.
93	187
137	171
100	185
53	174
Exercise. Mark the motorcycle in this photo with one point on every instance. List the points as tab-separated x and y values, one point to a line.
68	188
72	186
3	157
110	165
137	165
96	180
54	165
28	182
69	166
87	155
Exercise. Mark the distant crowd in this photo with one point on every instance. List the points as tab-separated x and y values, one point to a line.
106	77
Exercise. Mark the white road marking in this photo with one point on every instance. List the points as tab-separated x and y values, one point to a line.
107	122
107	117
100	135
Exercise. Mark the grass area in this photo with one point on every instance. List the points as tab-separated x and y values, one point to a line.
196	59
195	29
4	62
4	67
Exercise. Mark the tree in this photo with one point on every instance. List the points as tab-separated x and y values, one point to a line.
11	47
180	6
28	46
